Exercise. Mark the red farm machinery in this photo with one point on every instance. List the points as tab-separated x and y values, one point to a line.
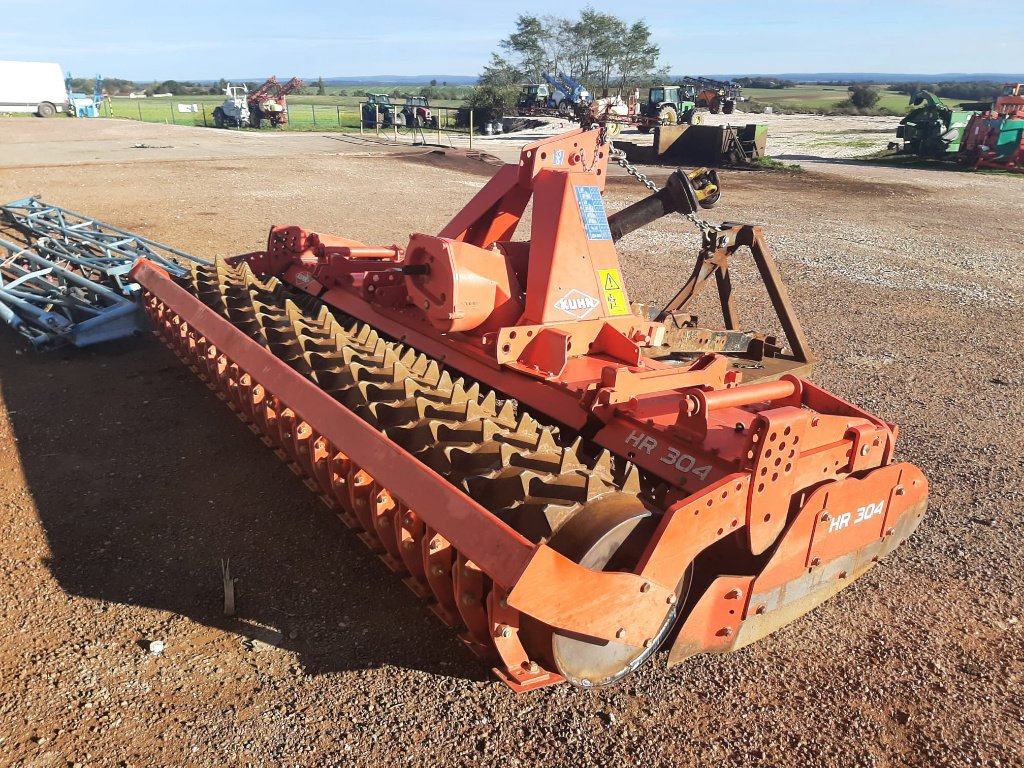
268	103
995	138
571	479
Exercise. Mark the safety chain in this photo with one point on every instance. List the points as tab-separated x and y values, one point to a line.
619	157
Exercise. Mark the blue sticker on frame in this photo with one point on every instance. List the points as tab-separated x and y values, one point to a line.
595	220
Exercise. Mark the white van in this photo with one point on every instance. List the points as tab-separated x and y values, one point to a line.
32	86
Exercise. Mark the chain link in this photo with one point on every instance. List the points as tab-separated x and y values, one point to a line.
619	157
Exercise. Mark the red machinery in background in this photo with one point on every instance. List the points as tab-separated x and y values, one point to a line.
995	138
571	480
268	103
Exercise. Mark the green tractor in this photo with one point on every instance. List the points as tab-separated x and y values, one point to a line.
378	111
931	129
666	105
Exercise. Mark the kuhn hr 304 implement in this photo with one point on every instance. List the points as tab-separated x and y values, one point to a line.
507	431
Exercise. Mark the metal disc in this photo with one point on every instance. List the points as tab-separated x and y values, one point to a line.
610	535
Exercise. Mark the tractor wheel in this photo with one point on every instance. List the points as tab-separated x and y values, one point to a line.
668	116
614	129
695	118
254	121
218	117
46	109
728	107
563	108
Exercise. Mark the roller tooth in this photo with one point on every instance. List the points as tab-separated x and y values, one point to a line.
489	403
500	491
570	460
631	481
507	414
526	423
546	441
521	470
603	464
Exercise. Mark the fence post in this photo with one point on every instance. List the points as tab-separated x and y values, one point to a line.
439	127
139	105
204	117
312	108
376	120
470	127
339	115
171	104
359	106
394	124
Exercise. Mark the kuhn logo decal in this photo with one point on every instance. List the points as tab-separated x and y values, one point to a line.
577	303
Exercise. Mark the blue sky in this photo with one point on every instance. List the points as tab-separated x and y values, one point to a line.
207	40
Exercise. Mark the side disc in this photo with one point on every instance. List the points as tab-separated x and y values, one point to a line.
609	535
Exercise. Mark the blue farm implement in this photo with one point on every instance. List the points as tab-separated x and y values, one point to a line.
67	282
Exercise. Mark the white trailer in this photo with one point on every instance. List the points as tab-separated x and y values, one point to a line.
32	86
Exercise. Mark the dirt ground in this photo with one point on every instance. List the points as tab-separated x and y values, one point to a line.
124	483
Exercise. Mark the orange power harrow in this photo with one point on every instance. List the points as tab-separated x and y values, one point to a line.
505	432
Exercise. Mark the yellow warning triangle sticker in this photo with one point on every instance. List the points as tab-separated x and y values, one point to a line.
610	283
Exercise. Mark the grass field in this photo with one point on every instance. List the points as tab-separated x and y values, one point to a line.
820	97
334	112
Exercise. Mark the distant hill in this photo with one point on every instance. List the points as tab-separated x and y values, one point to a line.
367	80
398	80
881	77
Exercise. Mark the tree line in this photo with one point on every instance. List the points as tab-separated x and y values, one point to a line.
966	91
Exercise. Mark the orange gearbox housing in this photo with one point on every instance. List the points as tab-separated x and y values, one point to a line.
461	287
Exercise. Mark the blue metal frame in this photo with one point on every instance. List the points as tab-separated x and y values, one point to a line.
52	306
99	251
71	286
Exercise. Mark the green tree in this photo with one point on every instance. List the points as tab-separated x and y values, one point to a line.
638	57
499	85
596	49
526	45
320	91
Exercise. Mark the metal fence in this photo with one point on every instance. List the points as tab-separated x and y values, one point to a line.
301	117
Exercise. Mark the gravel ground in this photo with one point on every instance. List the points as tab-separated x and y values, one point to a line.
124	482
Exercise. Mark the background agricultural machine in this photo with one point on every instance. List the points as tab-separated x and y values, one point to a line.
995	138
559	95
64	276
571	479
931	129
378	111
416	112
266	104
665	105
234	112
82	104
269	102
714	95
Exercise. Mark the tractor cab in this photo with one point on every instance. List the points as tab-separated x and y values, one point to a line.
234	112
534	96
378	111
666	105
417	111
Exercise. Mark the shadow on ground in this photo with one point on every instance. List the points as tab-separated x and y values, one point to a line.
144	481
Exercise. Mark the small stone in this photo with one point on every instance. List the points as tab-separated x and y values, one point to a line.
156	647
